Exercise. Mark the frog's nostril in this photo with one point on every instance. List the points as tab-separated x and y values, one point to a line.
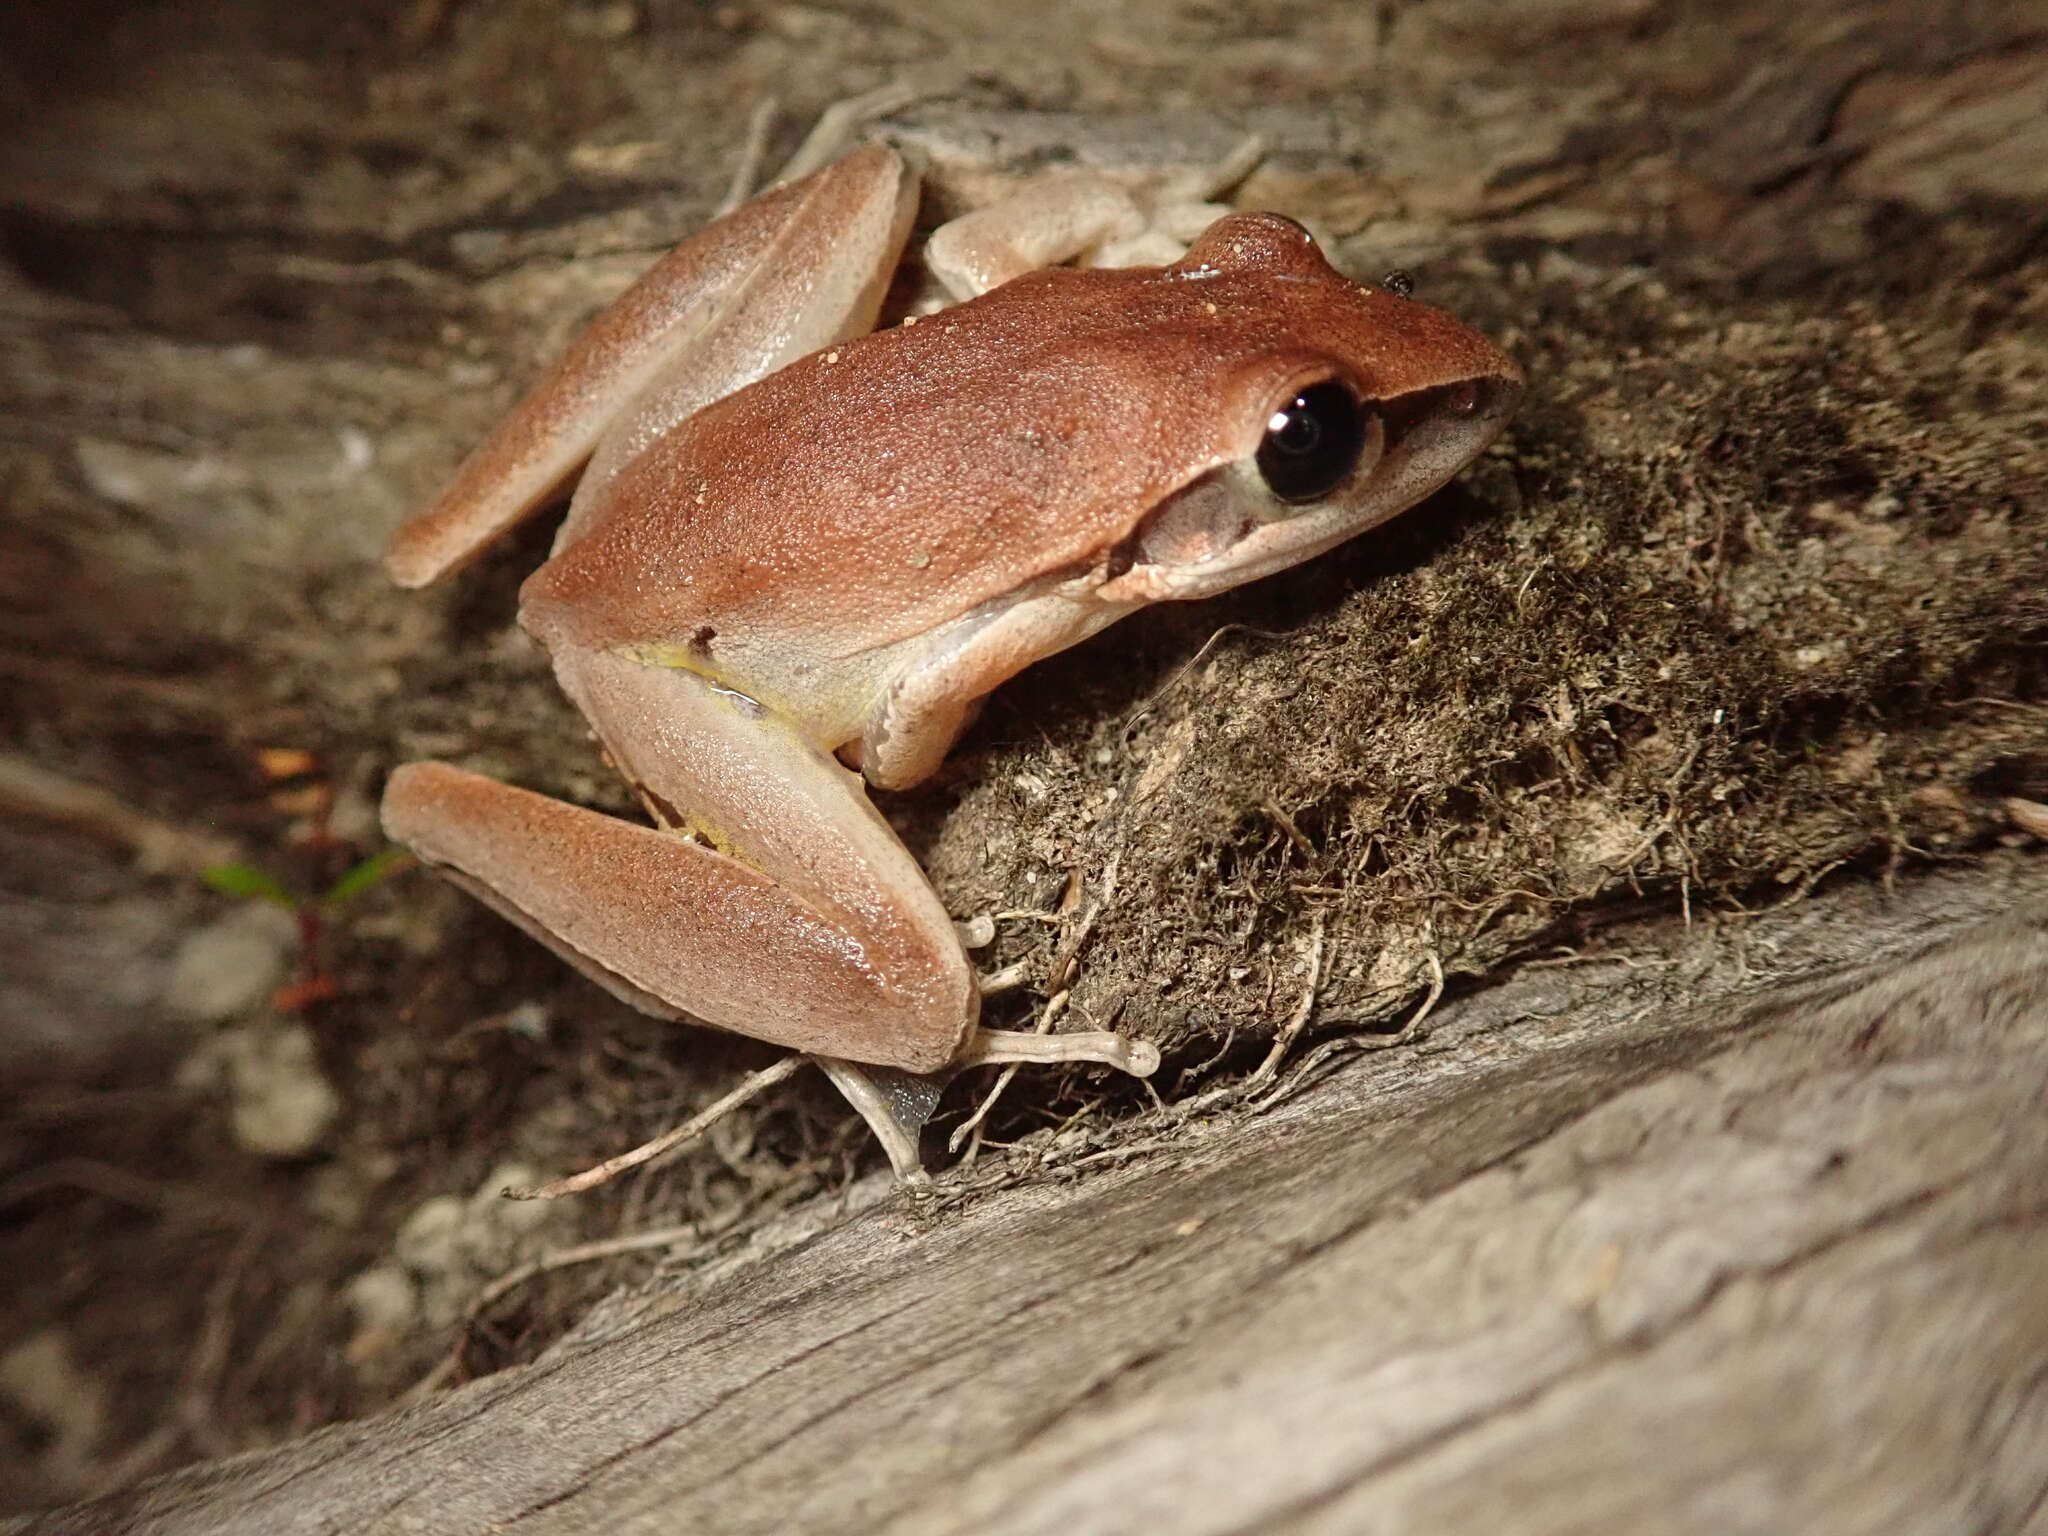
1462	399
1463	404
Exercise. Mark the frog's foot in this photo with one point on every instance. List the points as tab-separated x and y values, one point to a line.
1173	213
839	130
1140	1058
841	126
1090	218
896	1105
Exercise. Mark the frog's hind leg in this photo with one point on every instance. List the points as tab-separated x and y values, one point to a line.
799	919
1092	218
895	1106
678	929
794	270
1044	223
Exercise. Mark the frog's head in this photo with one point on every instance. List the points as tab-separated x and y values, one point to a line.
1343	405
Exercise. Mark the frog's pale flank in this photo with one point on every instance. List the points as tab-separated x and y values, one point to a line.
798	554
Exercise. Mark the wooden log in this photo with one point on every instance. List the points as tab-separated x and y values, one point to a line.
1740	1228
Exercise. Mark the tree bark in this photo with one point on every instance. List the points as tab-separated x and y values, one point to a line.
1732	1229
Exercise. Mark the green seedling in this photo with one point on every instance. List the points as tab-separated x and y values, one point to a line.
249	883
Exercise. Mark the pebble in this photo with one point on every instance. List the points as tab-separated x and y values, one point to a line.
231	966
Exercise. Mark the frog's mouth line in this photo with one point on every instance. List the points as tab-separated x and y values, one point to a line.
1226	526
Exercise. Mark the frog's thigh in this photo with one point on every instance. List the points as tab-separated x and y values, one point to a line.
670	925
1046	222
707	757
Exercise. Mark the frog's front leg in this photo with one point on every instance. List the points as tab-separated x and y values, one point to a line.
771	899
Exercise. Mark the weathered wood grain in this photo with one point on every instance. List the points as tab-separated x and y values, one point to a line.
1661	1242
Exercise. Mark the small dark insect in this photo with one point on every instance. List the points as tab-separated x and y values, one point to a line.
1399	283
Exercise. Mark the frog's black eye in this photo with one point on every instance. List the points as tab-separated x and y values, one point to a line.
1314	440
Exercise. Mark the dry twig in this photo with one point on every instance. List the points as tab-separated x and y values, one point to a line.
647	1151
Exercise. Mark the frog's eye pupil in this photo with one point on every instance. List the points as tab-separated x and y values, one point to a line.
1313	442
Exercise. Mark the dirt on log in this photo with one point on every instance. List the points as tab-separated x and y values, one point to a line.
1683	770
